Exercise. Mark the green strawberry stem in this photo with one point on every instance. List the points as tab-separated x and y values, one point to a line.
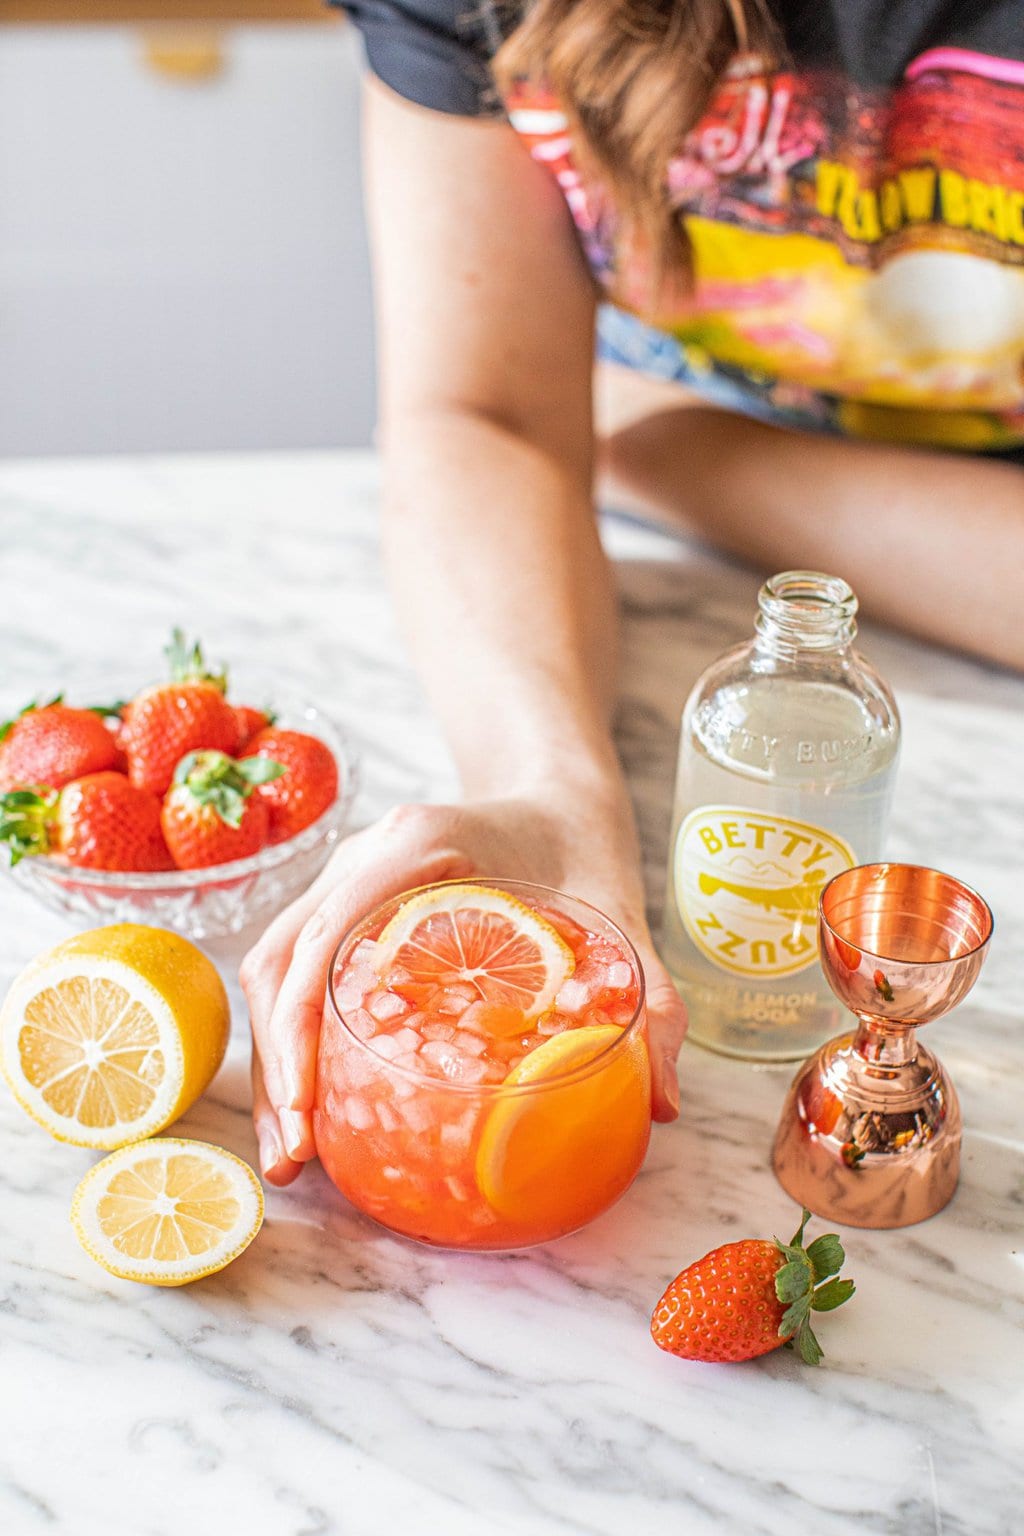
7	726
225	783
26	821
113	711
805	1283
188	664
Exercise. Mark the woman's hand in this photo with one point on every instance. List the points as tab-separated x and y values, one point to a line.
573	841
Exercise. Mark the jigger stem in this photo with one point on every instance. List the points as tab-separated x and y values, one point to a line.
882	1046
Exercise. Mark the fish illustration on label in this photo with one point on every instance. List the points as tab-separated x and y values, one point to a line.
747	887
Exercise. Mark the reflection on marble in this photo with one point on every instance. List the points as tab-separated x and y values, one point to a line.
336	1380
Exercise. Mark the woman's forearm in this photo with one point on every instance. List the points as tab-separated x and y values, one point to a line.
932	543
506	597
485	335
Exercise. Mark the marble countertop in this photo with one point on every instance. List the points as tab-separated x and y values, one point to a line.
336	1380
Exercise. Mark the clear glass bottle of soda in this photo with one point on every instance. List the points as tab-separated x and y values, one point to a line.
787	758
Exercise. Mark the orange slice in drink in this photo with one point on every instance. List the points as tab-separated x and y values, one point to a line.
480	935
557	1156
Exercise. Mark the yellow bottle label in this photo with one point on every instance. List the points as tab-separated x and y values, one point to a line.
747	887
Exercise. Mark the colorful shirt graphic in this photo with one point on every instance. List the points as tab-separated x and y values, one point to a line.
858	248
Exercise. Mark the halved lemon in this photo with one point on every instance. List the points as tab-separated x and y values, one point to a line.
167	1211
557	1157
110	1036
481	935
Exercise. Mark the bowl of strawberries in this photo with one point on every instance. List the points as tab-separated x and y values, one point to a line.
178	806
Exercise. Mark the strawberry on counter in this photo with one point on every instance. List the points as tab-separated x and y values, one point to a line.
745	1299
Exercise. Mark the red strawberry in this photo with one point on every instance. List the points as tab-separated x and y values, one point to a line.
821	1106
849	954
51	744
250	721
188	713
116	727
97	822
302	794
744	1299
210	813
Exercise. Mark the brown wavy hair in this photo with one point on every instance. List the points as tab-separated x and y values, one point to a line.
633	76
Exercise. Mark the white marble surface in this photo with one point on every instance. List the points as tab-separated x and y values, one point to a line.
335	1380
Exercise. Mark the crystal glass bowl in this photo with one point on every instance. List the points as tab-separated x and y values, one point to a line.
224	898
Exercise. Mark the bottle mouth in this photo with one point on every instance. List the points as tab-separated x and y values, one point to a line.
808	609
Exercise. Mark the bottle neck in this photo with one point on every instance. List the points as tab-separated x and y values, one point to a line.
800	611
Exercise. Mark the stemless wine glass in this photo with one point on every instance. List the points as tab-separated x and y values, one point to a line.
451	1132
870	1131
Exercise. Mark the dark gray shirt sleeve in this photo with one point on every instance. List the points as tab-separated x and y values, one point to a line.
435	53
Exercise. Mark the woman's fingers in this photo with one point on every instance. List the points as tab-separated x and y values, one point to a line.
377	868
666	1011
285	990
263	970
261	973
275	1164
666	1027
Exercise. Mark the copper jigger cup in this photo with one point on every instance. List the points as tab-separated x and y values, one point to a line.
870	1131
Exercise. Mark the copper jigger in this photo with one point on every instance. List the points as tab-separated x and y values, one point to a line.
870	1131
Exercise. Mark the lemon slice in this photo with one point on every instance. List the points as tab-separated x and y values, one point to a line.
113	1034
481	935
561	1154
167	1211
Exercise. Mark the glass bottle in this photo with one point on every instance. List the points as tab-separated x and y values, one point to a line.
787	759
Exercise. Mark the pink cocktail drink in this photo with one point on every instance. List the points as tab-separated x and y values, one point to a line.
483	1079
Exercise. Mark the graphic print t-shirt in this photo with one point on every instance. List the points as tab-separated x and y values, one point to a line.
856	217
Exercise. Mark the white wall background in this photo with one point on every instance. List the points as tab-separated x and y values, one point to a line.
182	264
